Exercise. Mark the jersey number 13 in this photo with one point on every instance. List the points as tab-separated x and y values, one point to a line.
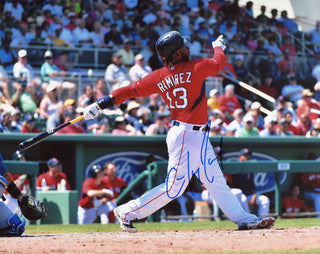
178	98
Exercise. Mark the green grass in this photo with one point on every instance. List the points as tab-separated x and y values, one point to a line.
156	226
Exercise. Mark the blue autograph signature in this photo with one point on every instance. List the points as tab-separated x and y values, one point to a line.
203	159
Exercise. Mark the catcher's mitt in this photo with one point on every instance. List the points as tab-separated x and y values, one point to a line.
32	208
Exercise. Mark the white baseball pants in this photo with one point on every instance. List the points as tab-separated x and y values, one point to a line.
190	152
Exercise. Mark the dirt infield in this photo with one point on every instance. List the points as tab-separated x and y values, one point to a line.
166	241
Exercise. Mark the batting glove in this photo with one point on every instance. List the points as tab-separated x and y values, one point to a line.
219	43
91	111
108	192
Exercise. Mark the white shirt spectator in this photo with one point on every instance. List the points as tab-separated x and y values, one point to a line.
54	8
139	70
67	36
15	11
82	35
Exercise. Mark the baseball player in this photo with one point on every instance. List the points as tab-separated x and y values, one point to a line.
181	83
94	197
32	209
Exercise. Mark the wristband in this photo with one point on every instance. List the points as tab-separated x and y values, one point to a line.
106	102
13	190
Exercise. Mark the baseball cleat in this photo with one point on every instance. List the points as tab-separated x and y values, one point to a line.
125	225
259	223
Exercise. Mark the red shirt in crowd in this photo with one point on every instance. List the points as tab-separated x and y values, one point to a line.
89	184
116	185
311	181
51	181
293	205
228	103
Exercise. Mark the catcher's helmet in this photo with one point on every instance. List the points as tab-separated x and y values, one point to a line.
94	170
17	155
168	43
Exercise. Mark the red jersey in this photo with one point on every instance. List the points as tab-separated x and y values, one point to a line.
182	87
290	205
229	104
116	185
305	105
52	182
312	180
89	184
71	129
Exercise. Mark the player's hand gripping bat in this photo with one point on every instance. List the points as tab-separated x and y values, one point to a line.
40	137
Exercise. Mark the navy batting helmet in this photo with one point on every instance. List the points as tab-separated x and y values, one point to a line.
17	155
94	170
168	43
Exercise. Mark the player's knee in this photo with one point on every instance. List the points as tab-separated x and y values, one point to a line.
16	226
3	184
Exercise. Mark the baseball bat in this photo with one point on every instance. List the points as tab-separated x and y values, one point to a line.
251	89
43	135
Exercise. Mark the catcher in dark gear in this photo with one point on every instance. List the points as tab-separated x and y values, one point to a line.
31	208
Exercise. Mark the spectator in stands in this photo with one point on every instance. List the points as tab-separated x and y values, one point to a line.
115	183
228	103
304	124
103	127
144	120
87	97
63	36
286	65
8	56
162	26
283	128
63	61
16	118
314	34
292	92
271	44
50	102
23	72
287	44
72	24
290	24
212	101
6	123
237	45
5	85
256	114
248	130
269	123
267	86
73	128
113	37
292	203
228	68
81	35
292	124
235	126
132	112
158	127
122	128
116	74
262	18
245	182
15	8
97	35
306	103
94	197
51	74
315	70
139	69
25	98
53	177
54	8
29	125
56	119
311	185
100	88
127	54
273	20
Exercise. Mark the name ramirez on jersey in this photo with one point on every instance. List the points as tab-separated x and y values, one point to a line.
172	80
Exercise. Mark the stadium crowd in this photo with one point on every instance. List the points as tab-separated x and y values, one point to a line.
261	51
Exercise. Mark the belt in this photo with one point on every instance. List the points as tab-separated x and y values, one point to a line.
194	127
